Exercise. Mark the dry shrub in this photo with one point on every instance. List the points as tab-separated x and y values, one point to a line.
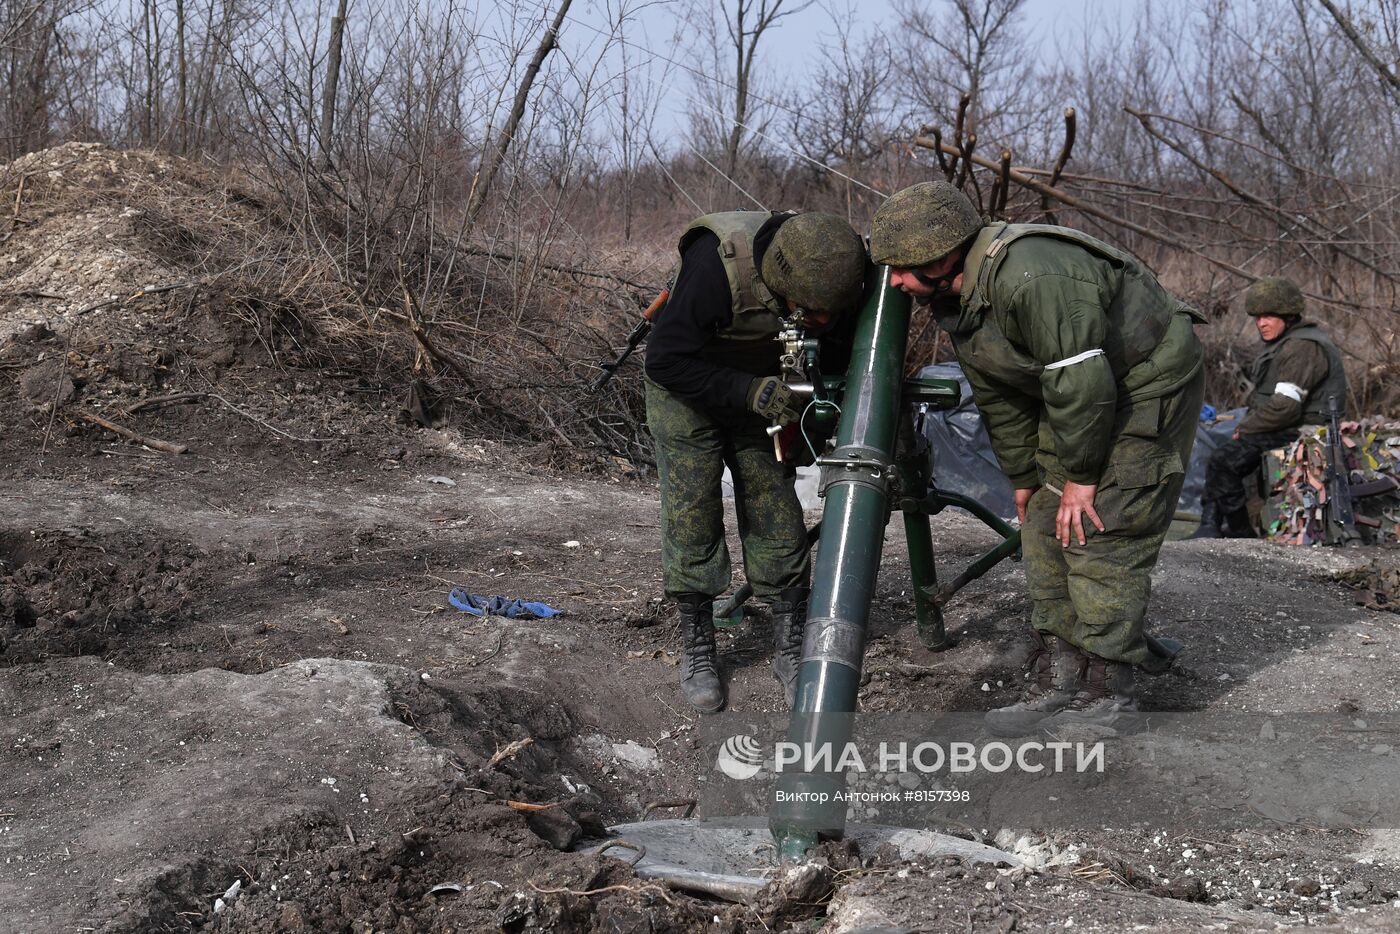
504	345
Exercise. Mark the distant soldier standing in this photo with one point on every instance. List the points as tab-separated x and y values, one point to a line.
1294	378
712	390
1089	377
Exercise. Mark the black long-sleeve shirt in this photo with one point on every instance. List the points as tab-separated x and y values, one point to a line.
701	304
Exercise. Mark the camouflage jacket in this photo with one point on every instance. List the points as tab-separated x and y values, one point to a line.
1293	378
1057	332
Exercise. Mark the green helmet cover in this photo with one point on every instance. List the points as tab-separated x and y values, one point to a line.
817	261
1273	296
921	224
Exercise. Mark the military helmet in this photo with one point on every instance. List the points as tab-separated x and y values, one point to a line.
921	224
817	261
1273	296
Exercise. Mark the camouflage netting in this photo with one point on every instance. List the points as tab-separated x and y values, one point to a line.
1298	510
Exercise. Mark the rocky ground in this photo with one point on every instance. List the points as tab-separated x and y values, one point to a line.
235	697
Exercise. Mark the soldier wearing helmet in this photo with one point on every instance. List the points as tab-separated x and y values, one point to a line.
1089	377
712	390
1294	378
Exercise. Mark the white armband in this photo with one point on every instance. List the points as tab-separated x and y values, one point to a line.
1291	390
1077	358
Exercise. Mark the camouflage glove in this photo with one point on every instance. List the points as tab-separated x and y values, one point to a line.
774	400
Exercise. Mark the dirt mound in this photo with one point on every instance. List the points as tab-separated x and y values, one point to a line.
134	282
132	275
98	225
67	594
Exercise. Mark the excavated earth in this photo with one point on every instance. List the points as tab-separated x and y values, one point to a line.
235	697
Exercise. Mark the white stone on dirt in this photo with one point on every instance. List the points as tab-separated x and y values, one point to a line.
631	754
637	756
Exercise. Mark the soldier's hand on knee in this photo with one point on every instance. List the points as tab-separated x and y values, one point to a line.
1076	502
774	400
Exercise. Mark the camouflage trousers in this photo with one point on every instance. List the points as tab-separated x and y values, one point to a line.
1095	595
1234	461
693	446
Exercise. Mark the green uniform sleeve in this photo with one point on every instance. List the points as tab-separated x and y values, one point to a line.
1063	321
1012	420
1301	368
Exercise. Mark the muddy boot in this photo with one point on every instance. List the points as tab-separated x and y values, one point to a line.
1237	524
789	626
700	682
1105	701
1210	522
1053	671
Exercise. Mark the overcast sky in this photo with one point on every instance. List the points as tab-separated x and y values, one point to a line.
1052	25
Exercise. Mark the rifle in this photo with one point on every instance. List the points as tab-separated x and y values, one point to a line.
1341	524
639	334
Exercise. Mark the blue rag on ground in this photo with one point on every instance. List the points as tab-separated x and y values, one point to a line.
499	606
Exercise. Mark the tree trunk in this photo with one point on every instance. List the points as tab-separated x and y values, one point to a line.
182	104
332	83
487	173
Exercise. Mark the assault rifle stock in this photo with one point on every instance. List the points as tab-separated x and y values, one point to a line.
634	340
1341	522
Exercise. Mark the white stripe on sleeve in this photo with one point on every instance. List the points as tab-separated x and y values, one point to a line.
1077	358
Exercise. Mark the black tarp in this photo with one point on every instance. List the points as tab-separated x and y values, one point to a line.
1209	436
963	461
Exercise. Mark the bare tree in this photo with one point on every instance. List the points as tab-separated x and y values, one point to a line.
1388	22
29	39
746	26
482	185
732	32
633	115
328	96
971	47
845	120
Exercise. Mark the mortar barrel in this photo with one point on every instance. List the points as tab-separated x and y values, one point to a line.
857	483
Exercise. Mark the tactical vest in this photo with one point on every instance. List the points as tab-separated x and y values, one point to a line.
755	310
1315	408
1144	319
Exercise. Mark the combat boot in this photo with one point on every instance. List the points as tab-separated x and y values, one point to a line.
1210	522
1053	670
789	627
1105	701
700	681
1237	524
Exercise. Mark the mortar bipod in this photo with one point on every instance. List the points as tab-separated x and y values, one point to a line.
915	471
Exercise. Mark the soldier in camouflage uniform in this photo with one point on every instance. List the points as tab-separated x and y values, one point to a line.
712	390
1089	377
1294	379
